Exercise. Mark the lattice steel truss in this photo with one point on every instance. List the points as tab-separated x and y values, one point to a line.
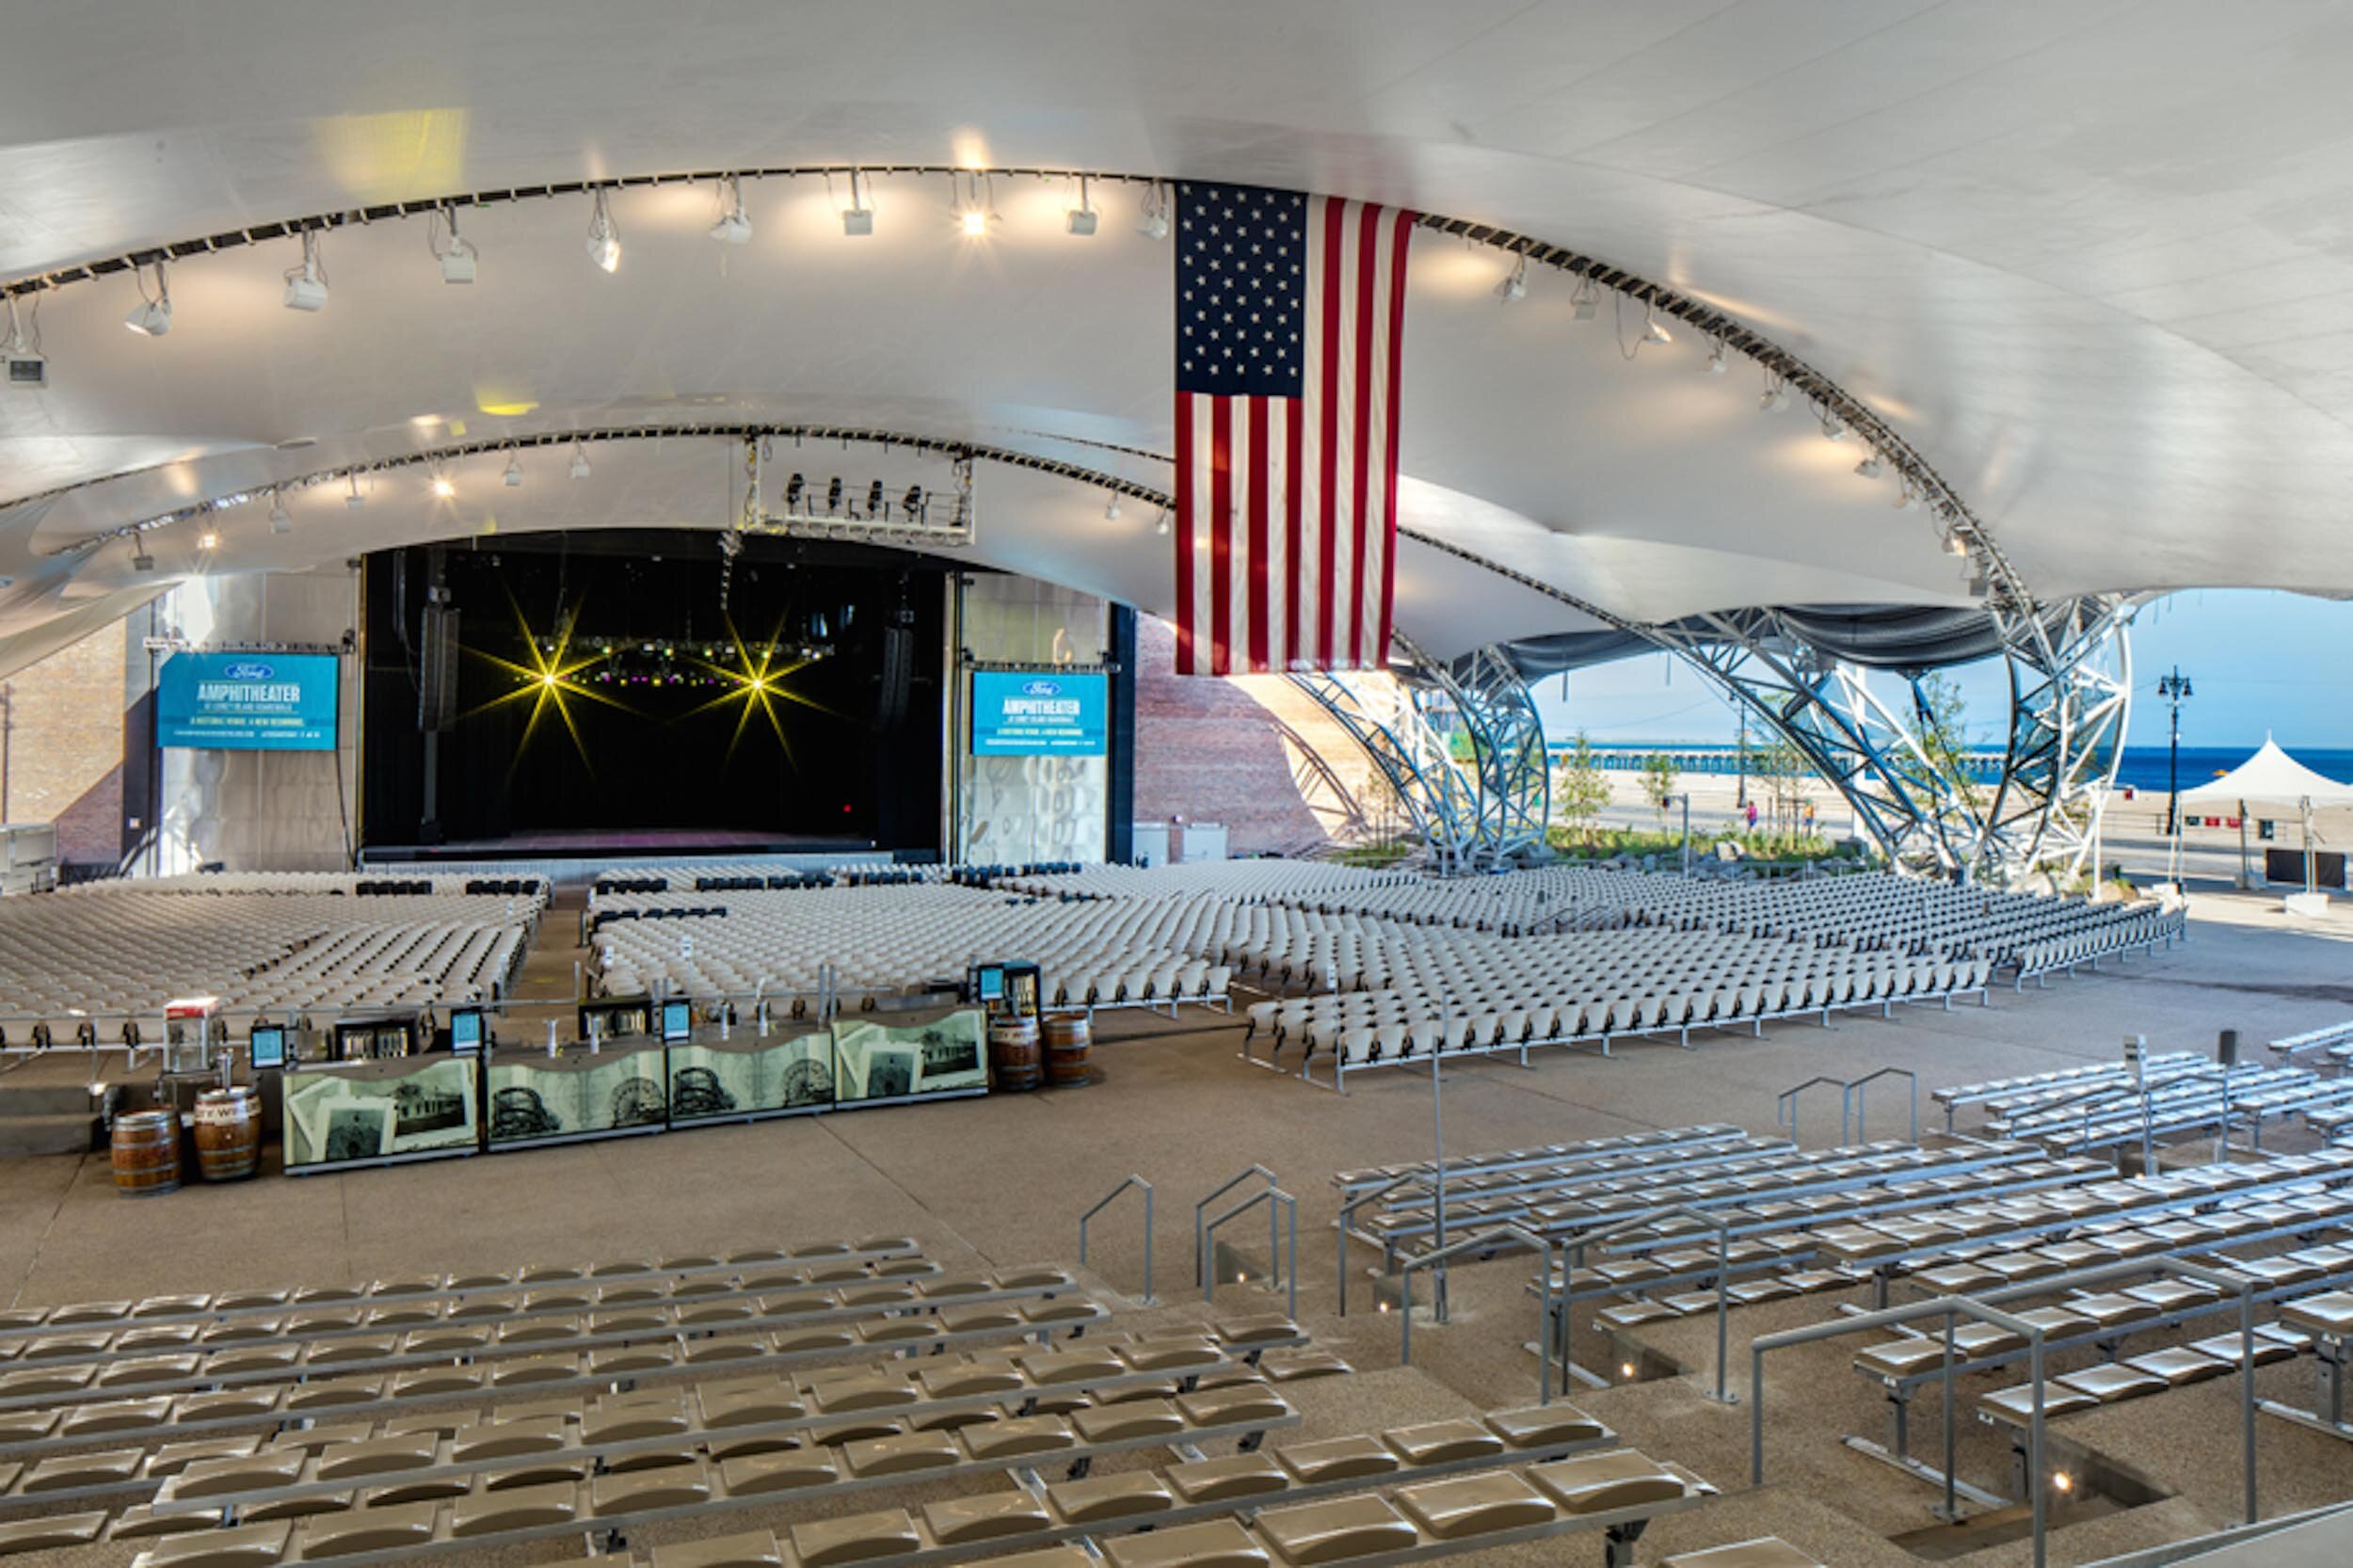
1469	812
2070	673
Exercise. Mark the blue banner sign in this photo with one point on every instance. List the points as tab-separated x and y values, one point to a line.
247	701
1039	714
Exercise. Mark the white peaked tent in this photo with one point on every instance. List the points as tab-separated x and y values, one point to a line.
2272	777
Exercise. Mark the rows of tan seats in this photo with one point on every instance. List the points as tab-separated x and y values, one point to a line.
1382	1508
471	1320
428	1455
2247	1094
1771	1243
460	1356
1777	1187
1997	1238
1471	1167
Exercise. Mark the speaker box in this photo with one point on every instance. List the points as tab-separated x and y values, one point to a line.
897	669
436	669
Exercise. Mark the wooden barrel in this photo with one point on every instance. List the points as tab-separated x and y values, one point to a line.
1068	1038
228	1134
1012	1059
147	1153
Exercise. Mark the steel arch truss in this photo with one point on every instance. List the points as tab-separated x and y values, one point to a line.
1469	811
2070	694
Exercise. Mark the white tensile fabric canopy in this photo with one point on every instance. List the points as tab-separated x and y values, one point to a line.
2271	775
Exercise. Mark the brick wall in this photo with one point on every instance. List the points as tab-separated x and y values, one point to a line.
65	746
1256	754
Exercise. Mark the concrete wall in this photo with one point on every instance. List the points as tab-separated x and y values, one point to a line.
1253	752
64	745
265	810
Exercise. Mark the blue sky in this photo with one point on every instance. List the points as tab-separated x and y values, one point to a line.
2258	662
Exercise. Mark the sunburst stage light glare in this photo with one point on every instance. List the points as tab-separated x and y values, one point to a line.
549	682
756	680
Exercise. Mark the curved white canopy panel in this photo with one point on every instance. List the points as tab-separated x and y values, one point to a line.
2081	257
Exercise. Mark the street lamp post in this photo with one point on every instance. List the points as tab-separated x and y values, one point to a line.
2174	690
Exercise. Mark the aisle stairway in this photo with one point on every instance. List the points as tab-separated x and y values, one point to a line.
45	1105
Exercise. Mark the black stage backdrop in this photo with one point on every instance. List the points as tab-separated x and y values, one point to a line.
602	687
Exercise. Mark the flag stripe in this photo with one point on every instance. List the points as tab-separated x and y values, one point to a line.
1183	532
1402	236
1334	219
1259	465
1293	424
1360	386
1221	534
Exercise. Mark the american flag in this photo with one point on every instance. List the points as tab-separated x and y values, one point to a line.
1290	319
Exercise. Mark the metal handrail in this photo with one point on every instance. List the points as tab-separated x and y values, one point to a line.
1858	1085
1200	1232
1981	1308
1785	1108
1278	1202
1104	1202
1347	1211
1575	1254
1486	1240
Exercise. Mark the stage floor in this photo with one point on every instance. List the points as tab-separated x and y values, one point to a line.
634	843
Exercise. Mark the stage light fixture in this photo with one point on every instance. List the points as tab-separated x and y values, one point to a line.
604	237
1834	428
458	256
833	495
442	486
140	559
1081	220
1907	498
1655	330
580	461
874	499
355	499
209	540
858	219
734	226
280	520
306	284
1585	302
911	506
1161	525
1515	286
514	475
1110	508
1871	466
792	489
1954	544
1153	222
1774	399
152	318
1719	361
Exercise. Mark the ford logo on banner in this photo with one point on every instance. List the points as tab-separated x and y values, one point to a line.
1041	688
248	672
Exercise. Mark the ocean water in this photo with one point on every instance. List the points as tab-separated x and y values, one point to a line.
2143	767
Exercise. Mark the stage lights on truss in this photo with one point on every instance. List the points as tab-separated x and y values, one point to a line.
919	519
550	680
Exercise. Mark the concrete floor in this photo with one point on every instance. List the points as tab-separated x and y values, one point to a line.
1001	1180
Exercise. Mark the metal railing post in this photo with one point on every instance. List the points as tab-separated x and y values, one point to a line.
1484	1241
1200	1232
1272	1197
1104	1202
1347	1209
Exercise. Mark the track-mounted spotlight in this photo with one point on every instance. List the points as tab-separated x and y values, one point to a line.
514	475
306	284
1907	498
280	520
734	226
1655	330
355	499
1515	286
1159	524
1719	361
833	494
1871	466
874	499
858	219
1586	300
976	214
1834	428
1953	543
208	540
792	489
442	486
1774	399
458	255
604	237
580	461
152	318
1110	508
1081	220
910	506
1152	223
